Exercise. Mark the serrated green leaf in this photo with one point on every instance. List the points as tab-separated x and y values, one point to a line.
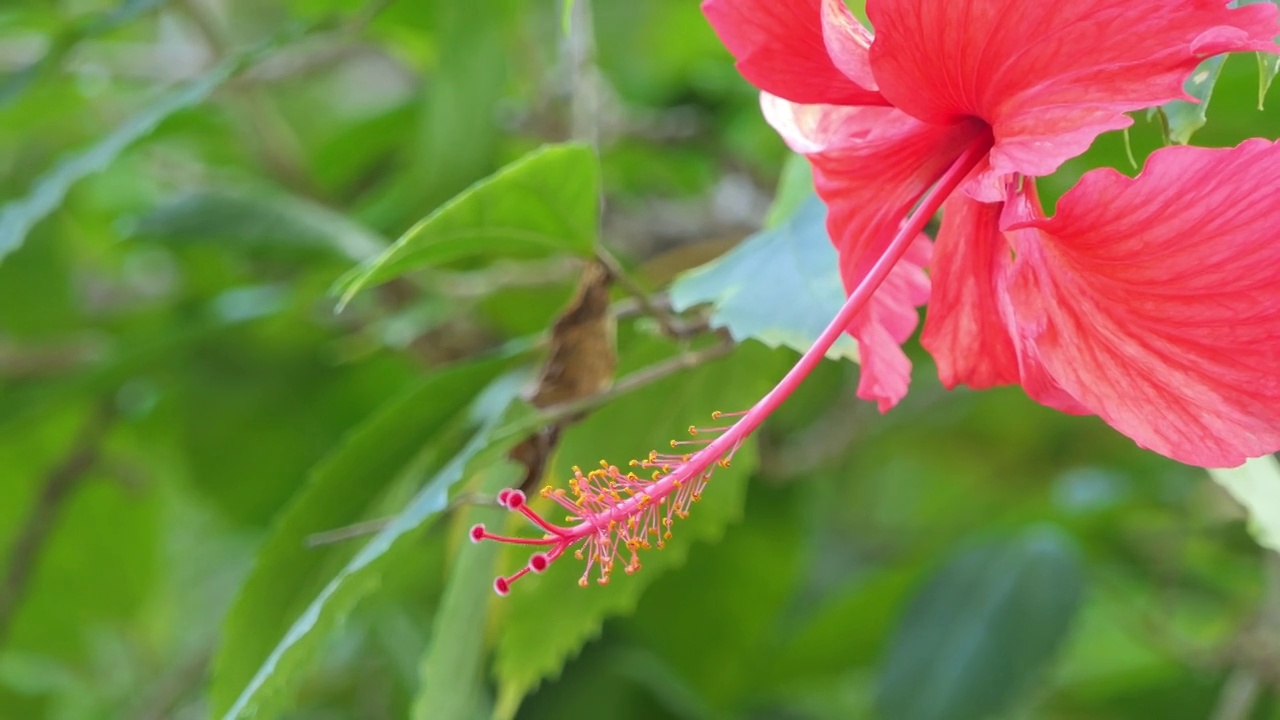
258	221
1256	486
982	629
18	217
1184	118
263	646
452	668
548	617
546	202
781	286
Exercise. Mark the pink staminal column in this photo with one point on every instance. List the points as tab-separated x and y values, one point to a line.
612	513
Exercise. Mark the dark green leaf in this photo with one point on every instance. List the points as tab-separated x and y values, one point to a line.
284	609
548	617
982	629
781	286
268	221
546	202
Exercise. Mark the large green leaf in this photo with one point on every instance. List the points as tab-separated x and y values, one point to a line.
452	677
1256	486
982	629
1184	118
285	609
18	217
546	202
781	286
548	617
260	221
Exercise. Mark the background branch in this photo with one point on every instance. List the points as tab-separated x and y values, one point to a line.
58	485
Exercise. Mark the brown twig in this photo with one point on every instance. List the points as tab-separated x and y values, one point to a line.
670	324
58	484
637	380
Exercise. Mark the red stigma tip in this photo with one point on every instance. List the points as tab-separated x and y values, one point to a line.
514	499
501	586
477	532
502	496
539	562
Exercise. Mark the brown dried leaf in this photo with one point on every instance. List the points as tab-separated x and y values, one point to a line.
580	363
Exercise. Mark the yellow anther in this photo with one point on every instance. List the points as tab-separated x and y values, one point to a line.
582	582
693	430
715	415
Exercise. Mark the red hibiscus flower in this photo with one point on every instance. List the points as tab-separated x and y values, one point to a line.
1088	313
1153	302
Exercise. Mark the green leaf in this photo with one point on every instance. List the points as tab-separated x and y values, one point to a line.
781	286
1268	63
12	85
270	221
1256	486
982	629
546	202
284	610
1183	118
795	186
457	135
548	617
20	216
452	677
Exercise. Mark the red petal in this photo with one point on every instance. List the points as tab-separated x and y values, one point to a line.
964	330
870	166
888	321
1049	77
807	51
1155	301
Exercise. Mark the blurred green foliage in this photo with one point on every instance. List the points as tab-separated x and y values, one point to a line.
218	496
